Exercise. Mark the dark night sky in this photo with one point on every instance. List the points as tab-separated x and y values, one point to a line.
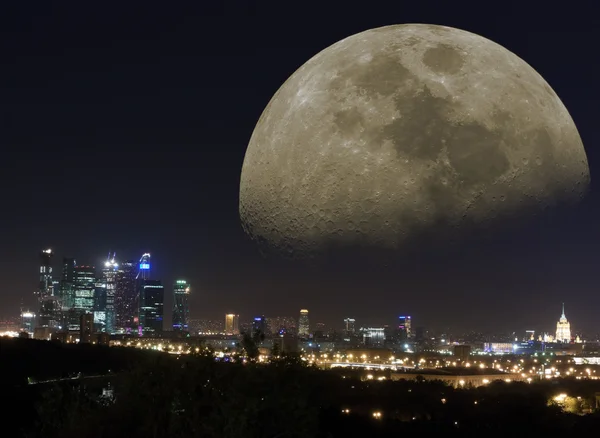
124	128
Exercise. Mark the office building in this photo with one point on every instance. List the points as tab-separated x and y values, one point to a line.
181	308
232	324
152	300
259	325
49	313
373	336
27	321
84	295
349	326
86	331
126	297
303	324
110	272
404	327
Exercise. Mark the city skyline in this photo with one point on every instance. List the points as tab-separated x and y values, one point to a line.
51	285
130	138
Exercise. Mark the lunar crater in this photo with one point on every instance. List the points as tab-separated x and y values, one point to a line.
402	130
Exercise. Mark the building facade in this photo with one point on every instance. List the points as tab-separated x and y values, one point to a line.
563	328
303	324
152	301
181	308
232	324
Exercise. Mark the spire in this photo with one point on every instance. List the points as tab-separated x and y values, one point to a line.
563	312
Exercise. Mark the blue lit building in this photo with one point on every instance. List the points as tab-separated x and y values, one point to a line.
259	325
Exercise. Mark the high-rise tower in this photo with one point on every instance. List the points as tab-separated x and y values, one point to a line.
84	294
109	278
152	301
144	267
181	309
49	315
563	328
125	297
303	324
232	324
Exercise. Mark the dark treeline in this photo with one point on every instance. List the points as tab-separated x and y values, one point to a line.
190	396
24	359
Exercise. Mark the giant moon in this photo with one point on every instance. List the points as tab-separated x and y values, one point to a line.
403	129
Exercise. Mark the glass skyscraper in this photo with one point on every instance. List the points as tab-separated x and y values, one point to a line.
152	300
181	309
125	297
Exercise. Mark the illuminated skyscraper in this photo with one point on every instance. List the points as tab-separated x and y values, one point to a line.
27	321
405	327
144	266
303	324
49	315
259	325
563	328
232	324
45	285
125	297
349	325
109	278
181	309
84	294
152	302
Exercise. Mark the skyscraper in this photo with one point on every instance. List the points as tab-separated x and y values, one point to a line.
232	324
181	309
109	278
404	327
49	314
349	325
152	301
125	297
303	324
66	283
144	266
45	284
259	325
84	294
563	328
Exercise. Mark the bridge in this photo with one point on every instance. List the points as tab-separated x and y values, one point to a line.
368	366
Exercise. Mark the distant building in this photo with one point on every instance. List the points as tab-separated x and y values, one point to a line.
110	273
373	336
349	326
100	307
27	321
277	323
563	328
285	343
259	325
126	297
462	352
303	324
50	308
181	308
67	279
84	294
232	324
152	301
405	327
86	331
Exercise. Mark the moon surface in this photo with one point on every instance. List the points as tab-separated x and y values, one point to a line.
402	129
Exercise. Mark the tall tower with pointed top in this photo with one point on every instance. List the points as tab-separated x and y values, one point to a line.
563	328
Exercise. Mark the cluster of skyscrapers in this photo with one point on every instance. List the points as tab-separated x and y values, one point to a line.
120	297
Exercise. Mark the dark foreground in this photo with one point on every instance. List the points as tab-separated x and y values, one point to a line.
159	395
